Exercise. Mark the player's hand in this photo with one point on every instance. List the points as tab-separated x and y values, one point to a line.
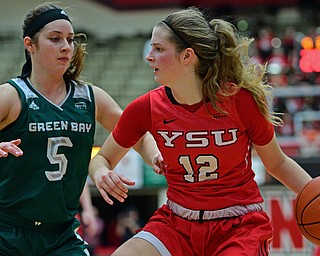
10	147
108	182
89	219
159	166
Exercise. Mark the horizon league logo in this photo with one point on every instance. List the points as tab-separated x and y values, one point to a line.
80	105
200	139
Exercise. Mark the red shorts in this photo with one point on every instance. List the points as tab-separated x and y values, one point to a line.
245	235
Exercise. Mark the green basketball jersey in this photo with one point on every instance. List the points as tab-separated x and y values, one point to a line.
42	187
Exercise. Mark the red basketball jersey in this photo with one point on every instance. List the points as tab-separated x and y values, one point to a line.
208	154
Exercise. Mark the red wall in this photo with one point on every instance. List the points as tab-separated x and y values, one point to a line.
147	4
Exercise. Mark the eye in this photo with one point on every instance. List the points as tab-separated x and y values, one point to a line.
54	39
70	40
157	49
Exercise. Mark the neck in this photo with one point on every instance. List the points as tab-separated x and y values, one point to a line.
54	90
188	95
47	83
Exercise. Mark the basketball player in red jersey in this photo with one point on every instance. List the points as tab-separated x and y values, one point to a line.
206	117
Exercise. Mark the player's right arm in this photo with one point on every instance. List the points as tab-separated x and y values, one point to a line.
10	107
131	127
107	181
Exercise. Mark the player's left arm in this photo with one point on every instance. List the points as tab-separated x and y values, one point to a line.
88	214
282	167
108	111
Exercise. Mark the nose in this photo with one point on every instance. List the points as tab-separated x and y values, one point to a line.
65	46
149	57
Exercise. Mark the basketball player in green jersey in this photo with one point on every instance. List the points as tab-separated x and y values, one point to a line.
47	125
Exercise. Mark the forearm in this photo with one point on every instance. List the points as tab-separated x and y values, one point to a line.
97	163
282	167
290	174
85	199
147	148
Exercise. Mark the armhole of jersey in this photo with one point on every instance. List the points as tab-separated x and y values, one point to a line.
89	93
23	102
20	92
93	100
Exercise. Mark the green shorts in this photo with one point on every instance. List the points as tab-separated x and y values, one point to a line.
16	241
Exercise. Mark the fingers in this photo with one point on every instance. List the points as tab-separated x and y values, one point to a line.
16	142
3	153
159	166
90	223
113	184
105	196
10	148
157	169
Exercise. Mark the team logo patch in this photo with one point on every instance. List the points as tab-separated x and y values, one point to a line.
219	116
34	106
80	105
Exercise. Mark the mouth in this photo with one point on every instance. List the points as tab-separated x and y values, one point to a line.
64	59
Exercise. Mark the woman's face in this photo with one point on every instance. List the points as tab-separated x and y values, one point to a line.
55	47
163	58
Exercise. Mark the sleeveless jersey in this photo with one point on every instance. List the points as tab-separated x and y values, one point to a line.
43	186
208	154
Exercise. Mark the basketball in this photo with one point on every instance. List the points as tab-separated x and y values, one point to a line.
307	211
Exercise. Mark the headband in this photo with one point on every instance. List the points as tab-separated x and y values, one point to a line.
35	25
176	33
43	19
179	36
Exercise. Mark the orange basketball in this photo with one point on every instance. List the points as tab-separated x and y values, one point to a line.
307	211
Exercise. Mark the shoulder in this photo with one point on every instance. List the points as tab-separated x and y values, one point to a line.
144	100
107	109
158	94
244	94
161	90
8	92
102	98
244	98
142	104
10	104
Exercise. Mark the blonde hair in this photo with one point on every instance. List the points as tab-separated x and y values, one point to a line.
224	64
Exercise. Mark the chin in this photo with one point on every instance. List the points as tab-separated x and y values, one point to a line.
158	80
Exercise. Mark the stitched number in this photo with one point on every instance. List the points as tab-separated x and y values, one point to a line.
185	162
209	165
55	158
207	170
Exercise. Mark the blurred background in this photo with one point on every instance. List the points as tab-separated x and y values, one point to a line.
287	38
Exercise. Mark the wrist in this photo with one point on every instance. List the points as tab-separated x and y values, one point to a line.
155	159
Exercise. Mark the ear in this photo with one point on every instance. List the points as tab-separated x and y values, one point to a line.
28	44
187	55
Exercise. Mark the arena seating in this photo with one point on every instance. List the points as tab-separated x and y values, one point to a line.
116	64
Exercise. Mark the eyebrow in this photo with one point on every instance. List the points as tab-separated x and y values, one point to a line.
60	32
